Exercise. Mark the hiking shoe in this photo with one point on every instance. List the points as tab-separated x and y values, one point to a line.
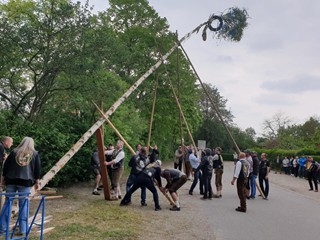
157	209
125	203
20	234
95	193
175	208
240	209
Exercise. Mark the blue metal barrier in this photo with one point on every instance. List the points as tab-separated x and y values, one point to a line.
5	216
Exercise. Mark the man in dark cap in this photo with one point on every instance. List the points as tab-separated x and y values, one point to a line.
206	166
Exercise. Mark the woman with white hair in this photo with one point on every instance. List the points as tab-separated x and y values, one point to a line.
21	171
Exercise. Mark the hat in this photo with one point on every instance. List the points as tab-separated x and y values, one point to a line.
248	151
207	151
218	149
158	163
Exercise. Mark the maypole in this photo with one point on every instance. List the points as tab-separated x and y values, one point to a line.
223	30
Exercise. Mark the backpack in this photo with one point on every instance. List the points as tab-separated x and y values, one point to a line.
244	172
141	163
210	163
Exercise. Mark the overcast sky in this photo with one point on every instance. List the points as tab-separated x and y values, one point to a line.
274	68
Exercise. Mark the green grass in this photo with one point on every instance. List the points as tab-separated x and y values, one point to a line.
95	219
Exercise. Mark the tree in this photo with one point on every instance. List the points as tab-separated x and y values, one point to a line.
42	39
273	126
146	37
220	102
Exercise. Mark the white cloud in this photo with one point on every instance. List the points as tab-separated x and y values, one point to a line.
298	84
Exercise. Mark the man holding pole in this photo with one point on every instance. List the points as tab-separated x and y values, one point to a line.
117	166
145	179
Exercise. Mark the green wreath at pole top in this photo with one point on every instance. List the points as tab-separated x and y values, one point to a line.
229	25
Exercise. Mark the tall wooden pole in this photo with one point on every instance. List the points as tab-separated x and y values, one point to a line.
76	147
212	103
183	117
130	148
103	168
115	130
152	112
179	92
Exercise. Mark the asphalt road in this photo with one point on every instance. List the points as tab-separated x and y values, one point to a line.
291	213
287	214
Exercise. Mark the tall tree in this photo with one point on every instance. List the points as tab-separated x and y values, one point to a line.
220	102
42	39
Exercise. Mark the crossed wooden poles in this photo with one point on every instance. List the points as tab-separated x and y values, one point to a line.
96	126
102	157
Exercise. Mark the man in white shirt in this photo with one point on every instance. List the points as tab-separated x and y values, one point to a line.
241	175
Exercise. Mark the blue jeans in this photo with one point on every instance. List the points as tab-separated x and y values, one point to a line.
131	180
301	171
142	180
197	176
23	210
253	186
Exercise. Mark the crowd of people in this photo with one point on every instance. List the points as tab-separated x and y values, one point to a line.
145	173
21	168
200	165
302	167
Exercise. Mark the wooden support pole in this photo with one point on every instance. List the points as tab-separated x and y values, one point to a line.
103	168
39	198
125	142
259	189
211	101
76	147
152	113
183	117
115	130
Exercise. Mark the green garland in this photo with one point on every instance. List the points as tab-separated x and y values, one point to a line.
233	24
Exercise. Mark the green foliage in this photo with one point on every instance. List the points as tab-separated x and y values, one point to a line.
280	133
227	156
58	57
234	21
